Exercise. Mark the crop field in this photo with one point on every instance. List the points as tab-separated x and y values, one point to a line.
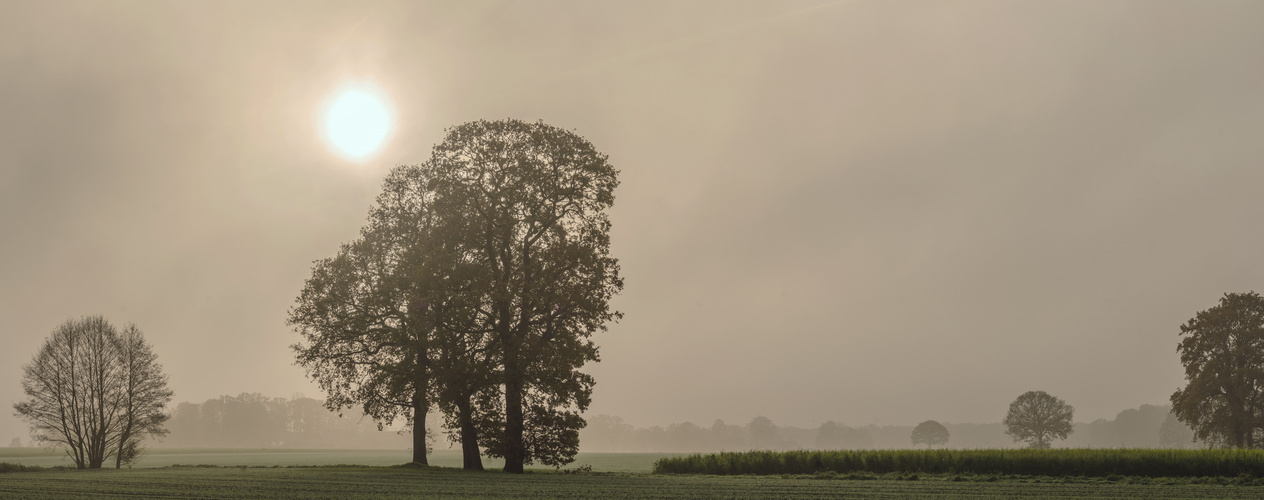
434	482
1059	462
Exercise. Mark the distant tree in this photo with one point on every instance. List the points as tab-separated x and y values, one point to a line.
930	433
1175	434
829	436
686	437
95	391
1038	418
16	443
607	433
727	437
763	433
1223	354
857	438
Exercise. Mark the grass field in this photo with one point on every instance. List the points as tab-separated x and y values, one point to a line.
235	473
165	457
408	482
1057	462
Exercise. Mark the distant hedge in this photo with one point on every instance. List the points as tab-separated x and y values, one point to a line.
1056	462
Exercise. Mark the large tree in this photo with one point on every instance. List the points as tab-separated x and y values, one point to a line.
373	317
1223	354
96	391
531	202
1038	418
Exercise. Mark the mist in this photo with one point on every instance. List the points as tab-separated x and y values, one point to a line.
872	213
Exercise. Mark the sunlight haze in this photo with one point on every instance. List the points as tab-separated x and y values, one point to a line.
868	212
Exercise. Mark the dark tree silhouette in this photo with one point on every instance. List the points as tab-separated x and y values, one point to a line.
1223	354
144	395
378	319
930	433
1038	418
95	391
529	201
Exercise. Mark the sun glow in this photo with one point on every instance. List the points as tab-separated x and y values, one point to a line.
357	122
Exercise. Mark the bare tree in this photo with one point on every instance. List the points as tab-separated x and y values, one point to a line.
144	395
94	391
1038	418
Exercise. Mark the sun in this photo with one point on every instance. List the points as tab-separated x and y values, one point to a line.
357	123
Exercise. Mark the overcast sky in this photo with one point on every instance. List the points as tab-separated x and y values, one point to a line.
869	212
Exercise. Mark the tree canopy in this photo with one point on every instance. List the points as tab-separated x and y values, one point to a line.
1038	418
930	433
95	390
475	287
1223	354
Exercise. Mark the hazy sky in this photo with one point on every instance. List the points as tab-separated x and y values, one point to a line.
860	211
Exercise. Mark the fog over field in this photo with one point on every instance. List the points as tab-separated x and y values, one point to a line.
870	212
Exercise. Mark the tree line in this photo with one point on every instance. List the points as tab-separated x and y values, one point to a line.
1149	426
252	420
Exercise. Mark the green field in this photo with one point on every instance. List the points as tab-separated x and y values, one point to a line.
273	473
1058	462
231	457
407	482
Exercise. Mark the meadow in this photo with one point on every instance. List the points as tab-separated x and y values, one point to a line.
281	473
438	482
269	457
1055	462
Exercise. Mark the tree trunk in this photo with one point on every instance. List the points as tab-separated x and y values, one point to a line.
419	428
515	451
420	406
469	436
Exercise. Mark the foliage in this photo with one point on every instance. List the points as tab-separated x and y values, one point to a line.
1038	418
1068	462
526	204
930	433
96	391
8	467
378	319
829	435
1223	354
1175	434
763	433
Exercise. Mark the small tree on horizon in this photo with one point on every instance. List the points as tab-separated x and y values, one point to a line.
930	433
16	443
1037	418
